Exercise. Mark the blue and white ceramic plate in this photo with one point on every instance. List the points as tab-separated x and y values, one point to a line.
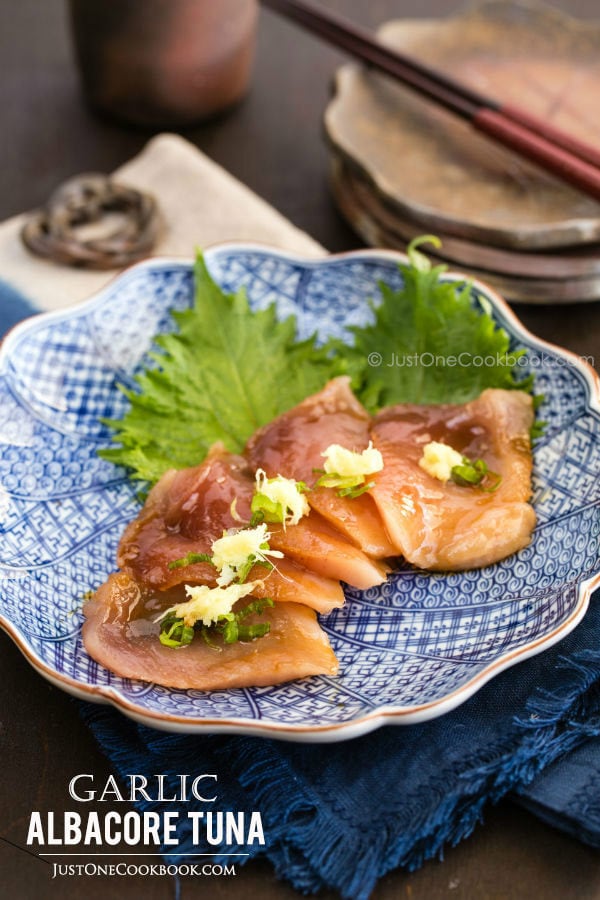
410	650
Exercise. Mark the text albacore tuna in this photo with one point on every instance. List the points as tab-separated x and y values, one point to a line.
160	827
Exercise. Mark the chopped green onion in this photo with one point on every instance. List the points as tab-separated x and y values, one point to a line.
230	626
252	632
227	627
490	488
475	474
174	634
258	518
205	634
244	571
190	559
264	509
353	493
347	485
469	473
278	500
255	606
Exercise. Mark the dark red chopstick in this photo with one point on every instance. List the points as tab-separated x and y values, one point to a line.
571	160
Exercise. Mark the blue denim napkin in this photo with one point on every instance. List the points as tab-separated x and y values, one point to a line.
567	793
341	815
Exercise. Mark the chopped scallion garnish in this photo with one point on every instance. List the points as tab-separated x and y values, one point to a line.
347	485
278	500
353	493
244	570
475	474
230	627
174	633
190	559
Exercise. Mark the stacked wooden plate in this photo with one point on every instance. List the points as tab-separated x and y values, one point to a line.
401	166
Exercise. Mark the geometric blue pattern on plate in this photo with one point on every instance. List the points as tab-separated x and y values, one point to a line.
409	650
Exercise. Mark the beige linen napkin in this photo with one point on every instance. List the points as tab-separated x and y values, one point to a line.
201	203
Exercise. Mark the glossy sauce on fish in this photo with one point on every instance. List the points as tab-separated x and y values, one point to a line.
292	445
187	510
433	524
121	634
444	526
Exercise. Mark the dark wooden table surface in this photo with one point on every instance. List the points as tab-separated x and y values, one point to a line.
273	143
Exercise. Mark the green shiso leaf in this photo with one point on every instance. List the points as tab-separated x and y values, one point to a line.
227	370
429	342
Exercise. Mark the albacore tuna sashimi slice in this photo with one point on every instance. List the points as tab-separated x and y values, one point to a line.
121	634
293	445
444	525
186	511
316	544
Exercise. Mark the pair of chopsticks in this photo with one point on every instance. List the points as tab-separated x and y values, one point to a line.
554	150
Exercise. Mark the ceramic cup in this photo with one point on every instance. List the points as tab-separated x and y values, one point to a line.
164	62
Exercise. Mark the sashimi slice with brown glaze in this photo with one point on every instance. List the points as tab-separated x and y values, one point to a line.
292	445
121	634
186	511
189	509
316	544
441	525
